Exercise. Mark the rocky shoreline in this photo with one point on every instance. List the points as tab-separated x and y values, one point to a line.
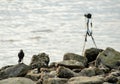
97	66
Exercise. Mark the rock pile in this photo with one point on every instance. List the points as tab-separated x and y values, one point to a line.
97	66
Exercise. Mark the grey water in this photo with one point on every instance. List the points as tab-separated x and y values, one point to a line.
55	27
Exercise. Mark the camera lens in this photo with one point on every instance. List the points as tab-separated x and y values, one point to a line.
88	15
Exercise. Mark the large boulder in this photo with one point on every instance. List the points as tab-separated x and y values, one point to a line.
17	80
92	53
63	72
72	64
86	80
18	70
55	81
40	60
72	56
109	58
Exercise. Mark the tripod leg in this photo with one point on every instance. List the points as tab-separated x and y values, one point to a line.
84	44
86	37
93	41
83	48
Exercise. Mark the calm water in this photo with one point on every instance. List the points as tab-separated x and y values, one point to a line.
55	27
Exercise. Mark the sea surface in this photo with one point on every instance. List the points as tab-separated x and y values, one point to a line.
55	27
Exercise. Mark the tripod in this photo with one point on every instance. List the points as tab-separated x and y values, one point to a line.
88	32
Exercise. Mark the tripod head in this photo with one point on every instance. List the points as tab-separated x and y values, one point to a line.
89	16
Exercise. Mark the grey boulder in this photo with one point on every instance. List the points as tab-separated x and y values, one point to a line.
63	72
18	70
40	60
92	53
72	56
109	58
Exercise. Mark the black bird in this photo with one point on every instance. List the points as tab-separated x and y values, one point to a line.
20	55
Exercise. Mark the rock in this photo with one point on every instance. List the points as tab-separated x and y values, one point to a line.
46	75
115	73
104	69
55	81
118	82
92	53
33	75
99	71
40	60
109	58
111	79
47	69
63	72
17	80
3	68
72	64
86	80
91	64
107	83
118	78
53	74
53	64
18	70
39	81
72	56
88	72
76	70
92	71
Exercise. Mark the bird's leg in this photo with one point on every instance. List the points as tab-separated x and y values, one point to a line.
18	62
22	61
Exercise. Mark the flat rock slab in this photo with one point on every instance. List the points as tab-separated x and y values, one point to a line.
73	56
17	80
55	81
86	80
72	64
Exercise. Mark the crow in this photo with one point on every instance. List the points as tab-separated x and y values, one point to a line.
20	55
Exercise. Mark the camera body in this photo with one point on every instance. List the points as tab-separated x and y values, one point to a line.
88	15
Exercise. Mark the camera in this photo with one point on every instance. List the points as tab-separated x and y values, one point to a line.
88	15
